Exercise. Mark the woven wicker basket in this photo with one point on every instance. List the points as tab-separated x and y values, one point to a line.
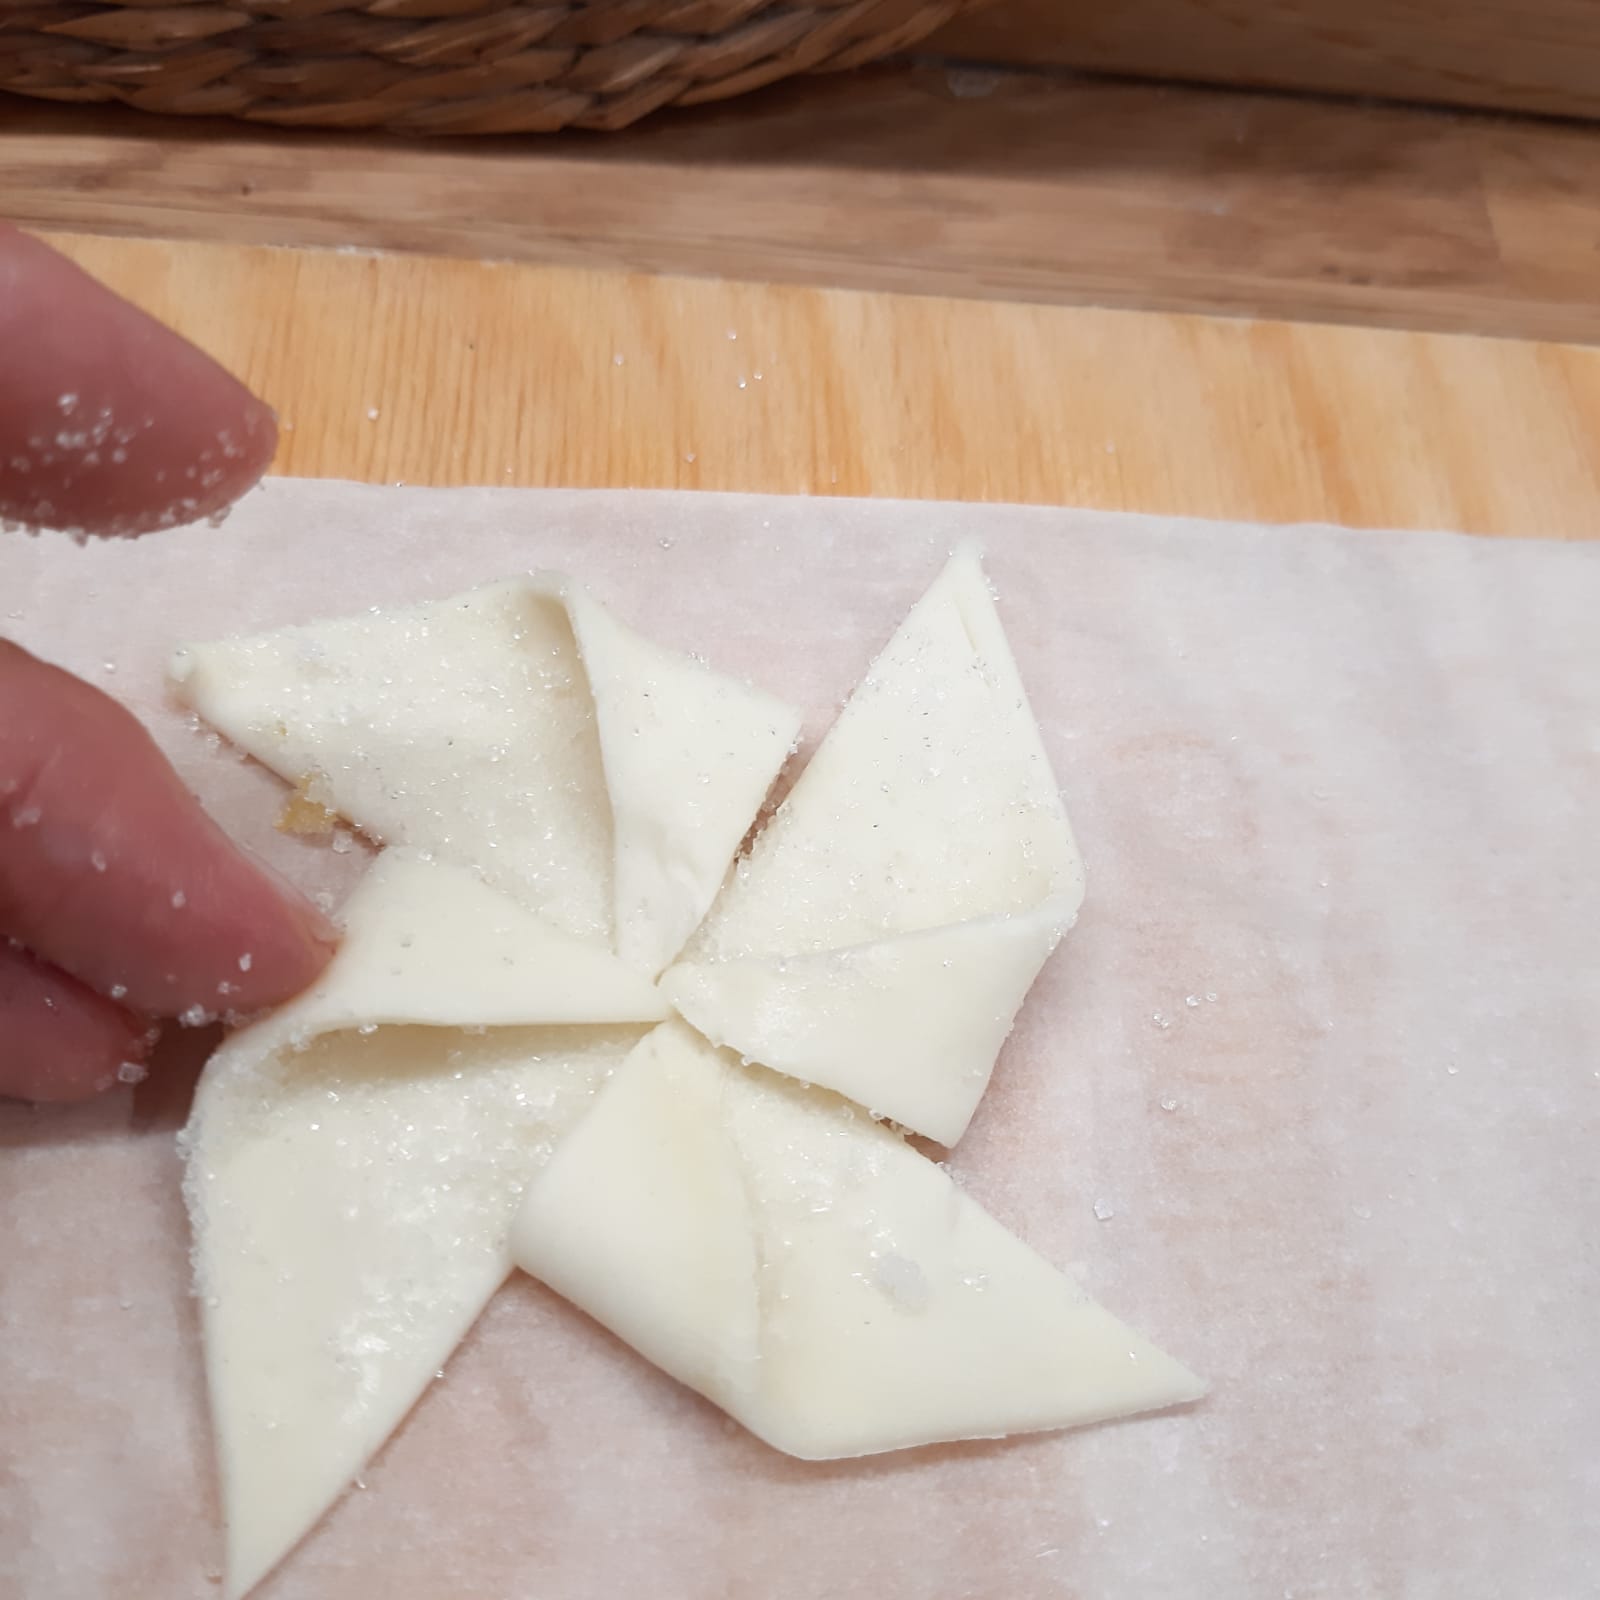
439	66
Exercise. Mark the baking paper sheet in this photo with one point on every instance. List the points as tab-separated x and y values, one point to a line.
1311	1095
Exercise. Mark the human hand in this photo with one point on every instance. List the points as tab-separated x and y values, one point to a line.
121	901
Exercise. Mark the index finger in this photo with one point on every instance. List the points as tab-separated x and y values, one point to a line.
111	423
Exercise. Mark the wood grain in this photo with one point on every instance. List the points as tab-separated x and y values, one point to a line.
929	182
443	371
1519	55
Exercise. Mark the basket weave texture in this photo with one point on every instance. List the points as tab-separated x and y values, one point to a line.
439	66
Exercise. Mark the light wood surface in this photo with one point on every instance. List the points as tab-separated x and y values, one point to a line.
1524	55
389	368
929	181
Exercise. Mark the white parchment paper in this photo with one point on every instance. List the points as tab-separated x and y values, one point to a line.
1312	1094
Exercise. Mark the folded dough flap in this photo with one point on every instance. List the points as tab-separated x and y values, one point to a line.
648	1226
689	756
888	1308
461	726
602	780
350	1205
908	1026
929	802
427	942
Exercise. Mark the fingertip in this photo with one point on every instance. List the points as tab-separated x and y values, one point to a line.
236	937
111	423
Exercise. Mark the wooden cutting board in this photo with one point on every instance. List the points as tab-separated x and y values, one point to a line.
427	370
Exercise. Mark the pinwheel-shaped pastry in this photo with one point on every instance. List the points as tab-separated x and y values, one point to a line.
711	1159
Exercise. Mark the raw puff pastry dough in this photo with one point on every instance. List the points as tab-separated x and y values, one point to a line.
563	799
800	1264
522	731
888	922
